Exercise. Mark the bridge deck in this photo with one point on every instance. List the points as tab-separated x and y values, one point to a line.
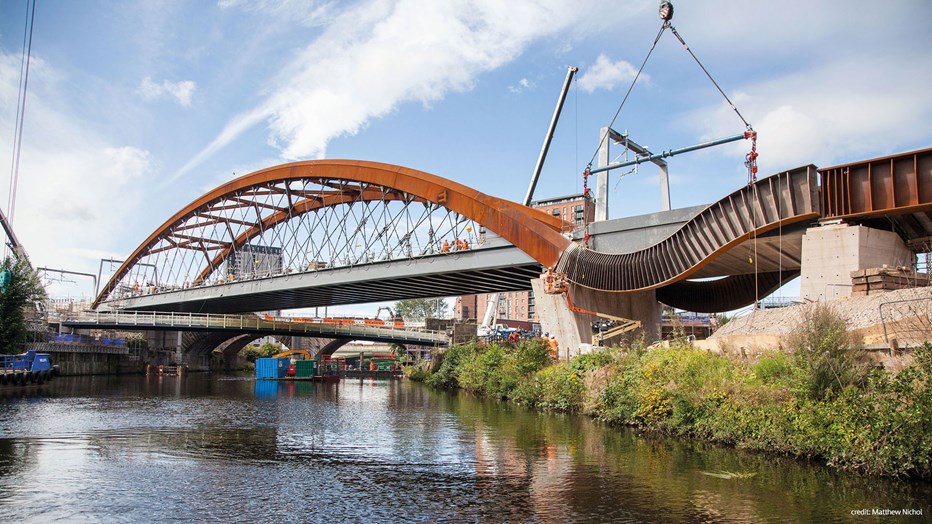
151	320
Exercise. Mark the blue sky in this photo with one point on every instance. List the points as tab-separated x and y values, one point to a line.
136	108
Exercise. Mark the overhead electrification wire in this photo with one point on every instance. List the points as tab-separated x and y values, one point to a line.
21	105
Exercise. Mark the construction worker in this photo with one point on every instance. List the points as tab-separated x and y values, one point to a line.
446	247
552	344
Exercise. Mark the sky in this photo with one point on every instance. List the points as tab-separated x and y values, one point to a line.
134	109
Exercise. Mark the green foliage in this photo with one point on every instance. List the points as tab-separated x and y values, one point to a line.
416	373
452	359
495	370
251	352
419	309
23	289
136	342
599	357
562	389
771	368
824	350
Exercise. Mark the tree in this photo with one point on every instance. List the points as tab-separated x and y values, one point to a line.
419	309
267	349
24	289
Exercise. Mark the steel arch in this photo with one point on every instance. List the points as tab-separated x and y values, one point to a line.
536	233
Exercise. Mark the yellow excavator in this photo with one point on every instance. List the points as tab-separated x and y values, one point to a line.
292	369
305	353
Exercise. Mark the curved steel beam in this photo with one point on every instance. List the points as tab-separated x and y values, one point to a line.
724	294
779	200
299	208
536	233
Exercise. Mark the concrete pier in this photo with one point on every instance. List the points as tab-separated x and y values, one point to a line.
831	252
573	330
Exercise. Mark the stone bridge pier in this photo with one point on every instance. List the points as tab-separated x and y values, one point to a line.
212	351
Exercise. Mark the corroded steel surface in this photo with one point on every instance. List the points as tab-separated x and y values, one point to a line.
782	199
273	197
883	186
724	294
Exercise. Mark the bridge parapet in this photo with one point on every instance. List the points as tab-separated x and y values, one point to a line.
153	320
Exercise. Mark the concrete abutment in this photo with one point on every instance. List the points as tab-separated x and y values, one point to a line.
831	252
573	330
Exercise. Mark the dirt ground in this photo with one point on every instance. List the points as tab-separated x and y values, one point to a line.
885	323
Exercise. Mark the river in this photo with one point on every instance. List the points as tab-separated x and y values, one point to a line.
231	449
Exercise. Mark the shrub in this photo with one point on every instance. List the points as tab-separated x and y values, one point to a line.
446	376
825	352
531	355
771	368
880	423
561	388
416	373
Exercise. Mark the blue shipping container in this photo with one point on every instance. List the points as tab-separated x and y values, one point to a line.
272	367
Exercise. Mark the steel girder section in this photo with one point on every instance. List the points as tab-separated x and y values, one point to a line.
892	193
533	231
883	186
779	200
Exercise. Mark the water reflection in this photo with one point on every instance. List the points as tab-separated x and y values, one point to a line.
231	448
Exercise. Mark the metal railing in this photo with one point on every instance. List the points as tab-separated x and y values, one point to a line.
202	321
910	320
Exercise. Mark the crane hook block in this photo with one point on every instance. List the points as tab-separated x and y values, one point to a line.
666	11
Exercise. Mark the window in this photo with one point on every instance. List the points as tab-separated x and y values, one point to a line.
578	208
556	212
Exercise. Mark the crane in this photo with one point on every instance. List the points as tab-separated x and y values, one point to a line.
487	327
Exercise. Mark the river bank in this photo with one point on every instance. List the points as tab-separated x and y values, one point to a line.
819	403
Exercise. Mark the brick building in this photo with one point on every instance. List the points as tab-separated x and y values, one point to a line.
575	210
518	306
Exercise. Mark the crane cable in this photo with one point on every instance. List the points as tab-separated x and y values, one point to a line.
21	105
625	99
704	70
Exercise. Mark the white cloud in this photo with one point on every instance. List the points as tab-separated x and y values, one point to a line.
378	54
76	189
181	91
523	85
815	116
605	74
307	12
